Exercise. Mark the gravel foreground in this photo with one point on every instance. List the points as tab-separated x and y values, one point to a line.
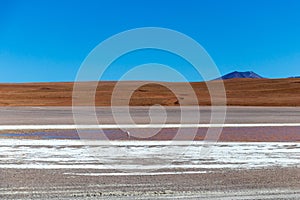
272	183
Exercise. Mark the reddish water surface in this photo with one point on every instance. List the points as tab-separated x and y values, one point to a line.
246	134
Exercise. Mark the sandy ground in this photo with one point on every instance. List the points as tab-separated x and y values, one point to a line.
276	183
64	115
240	92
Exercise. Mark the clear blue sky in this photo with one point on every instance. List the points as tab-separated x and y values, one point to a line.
48	40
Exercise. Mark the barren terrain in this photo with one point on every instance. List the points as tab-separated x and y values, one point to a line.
240	92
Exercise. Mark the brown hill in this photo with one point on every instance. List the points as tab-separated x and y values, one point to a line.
240	92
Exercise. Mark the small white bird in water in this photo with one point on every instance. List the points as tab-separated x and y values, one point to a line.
128	134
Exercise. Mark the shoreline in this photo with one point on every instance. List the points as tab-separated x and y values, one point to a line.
73	180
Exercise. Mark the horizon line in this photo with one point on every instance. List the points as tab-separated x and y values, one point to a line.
156	81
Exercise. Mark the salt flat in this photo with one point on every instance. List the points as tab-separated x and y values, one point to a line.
145	156
77	169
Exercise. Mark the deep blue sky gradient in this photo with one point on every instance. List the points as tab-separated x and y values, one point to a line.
48	40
